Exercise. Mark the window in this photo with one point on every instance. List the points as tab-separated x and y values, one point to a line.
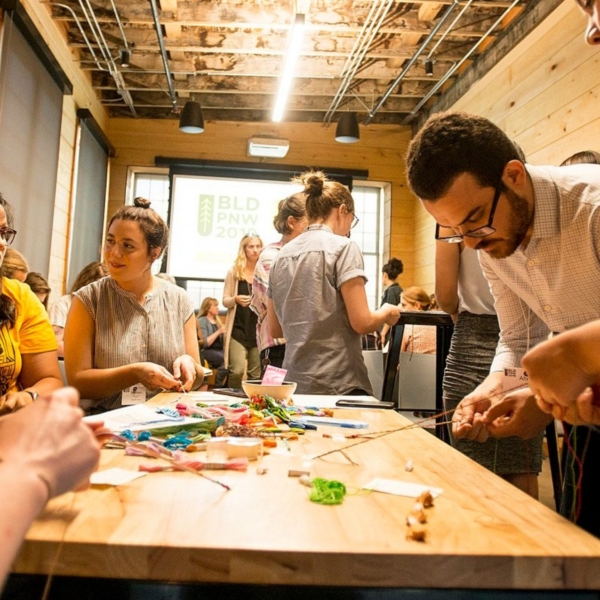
368	198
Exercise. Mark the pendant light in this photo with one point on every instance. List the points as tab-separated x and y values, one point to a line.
347	131
191	120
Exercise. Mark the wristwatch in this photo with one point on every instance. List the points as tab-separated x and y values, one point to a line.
32	393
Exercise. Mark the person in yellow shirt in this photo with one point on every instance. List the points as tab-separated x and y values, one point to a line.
28	357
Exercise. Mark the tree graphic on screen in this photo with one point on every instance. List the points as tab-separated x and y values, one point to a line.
206	210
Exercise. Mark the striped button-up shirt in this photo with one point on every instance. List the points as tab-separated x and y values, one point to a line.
127	332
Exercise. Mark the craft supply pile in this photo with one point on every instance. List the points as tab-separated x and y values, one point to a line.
199	436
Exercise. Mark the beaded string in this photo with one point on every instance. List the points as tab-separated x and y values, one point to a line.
417	424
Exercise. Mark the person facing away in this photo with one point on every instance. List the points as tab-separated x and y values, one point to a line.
241	351
39	286
537	229
131	329
585	157
14	265
420	339
60	309
392	269
317	299
290	221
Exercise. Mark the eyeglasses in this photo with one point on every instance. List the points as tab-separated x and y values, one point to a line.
479	232
355	221
8	235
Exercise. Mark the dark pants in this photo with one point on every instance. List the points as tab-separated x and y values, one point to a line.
581	505
272	356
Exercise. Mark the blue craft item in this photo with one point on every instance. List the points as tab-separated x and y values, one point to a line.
177	442
144	436
128	435
170	412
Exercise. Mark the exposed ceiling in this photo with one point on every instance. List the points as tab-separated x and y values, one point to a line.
367	56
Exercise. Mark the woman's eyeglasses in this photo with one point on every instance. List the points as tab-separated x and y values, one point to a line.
8	235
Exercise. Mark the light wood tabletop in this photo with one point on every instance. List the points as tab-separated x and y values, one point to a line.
178	527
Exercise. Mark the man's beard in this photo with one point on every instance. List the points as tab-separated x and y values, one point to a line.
520	220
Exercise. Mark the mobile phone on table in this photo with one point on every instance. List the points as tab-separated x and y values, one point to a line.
358	403
238	393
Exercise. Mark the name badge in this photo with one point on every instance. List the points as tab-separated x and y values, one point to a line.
514	378
136	394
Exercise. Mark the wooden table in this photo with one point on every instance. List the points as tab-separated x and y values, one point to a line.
178	527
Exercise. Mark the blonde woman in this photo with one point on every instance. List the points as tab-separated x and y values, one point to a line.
240	338
417	338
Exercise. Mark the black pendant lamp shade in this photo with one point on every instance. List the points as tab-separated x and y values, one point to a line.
191	120
346	131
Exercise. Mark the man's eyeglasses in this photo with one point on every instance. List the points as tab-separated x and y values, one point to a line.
479	232
8	235
355	221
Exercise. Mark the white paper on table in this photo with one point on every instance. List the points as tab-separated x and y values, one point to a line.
114	476
137	418
401	488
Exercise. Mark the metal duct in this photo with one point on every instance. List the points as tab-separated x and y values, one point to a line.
457	65
411	62
161	43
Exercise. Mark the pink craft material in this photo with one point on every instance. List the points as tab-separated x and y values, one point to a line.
238	464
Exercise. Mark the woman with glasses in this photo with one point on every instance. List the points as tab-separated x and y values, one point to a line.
28	359
290	221
131	334
317	298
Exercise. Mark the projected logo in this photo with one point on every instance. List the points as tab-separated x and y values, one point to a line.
226	216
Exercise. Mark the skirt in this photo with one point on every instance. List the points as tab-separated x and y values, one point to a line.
472	351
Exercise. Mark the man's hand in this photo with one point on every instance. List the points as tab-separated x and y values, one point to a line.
467	420
517	414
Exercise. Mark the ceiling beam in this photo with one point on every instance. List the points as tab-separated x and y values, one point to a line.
533	15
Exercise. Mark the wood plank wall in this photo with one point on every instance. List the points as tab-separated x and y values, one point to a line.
544	94
83	97
381	150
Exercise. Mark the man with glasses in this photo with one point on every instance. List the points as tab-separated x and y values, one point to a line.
539	232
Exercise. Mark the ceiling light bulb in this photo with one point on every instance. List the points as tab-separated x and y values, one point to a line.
125	56
191	120
429	67
347	131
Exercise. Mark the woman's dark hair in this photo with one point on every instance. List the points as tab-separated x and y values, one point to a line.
393	268
585	157
38	285
323	195
153	227
293	206
90	273
7	306
450	144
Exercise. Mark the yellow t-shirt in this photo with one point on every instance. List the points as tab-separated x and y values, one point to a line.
31	334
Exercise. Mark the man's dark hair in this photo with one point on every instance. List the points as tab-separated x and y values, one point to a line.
450	144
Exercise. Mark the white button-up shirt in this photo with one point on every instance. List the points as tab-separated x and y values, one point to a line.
554	284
